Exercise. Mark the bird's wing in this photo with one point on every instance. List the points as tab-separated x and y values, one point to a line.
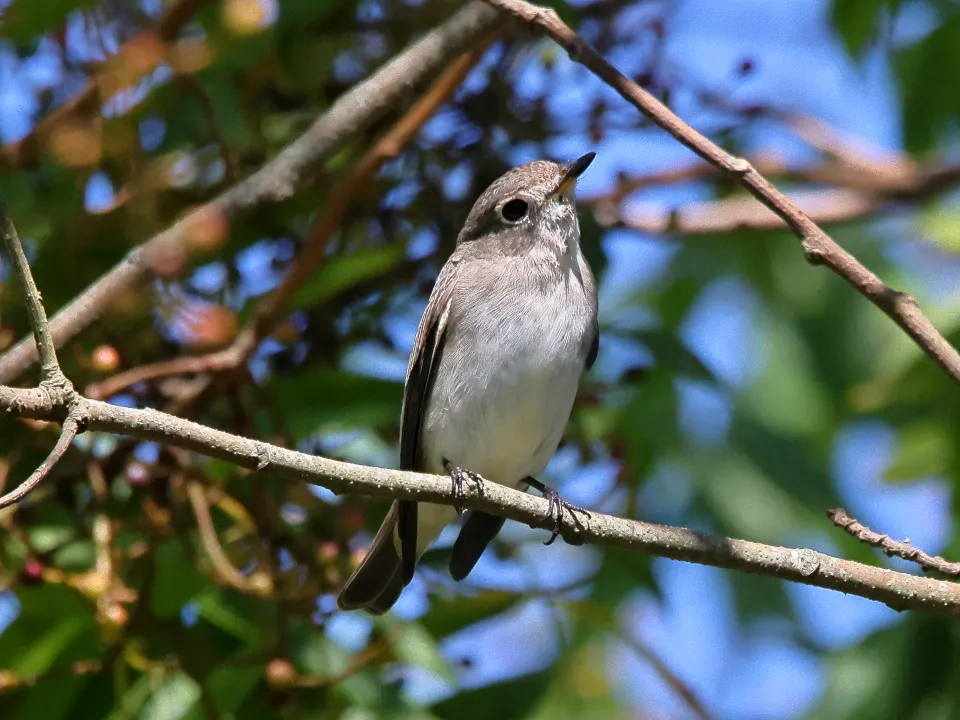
427	348
594	347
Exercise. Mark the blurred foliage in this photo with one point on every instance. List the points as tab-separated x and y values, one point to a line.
122	605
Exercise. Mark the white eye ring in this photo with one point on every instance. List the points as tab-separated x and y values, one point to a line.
515	210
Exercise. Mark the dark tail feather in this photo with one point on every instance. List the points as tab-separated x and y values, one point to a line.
371	586
388	597
478	530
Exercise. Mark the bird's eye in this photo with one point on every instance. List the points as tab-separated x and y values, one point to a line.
514	210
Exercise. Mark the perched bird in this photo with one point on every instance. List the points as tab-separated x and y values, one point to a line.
509	330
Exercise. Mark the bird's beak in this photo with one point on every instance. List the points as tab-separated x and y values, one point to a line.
574	170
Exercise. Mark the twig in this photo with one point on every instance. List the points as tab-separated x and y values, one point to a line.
353	112
897	590
818	247
666	674
211	543
71	426
50	373
26	151
735	213
893	548
305	265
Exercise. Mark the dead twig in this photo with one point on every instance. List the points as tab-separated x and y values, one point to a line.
892	548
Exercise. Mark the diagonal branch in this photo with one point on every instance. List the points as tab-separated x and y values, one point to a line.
819	248
893	548
269	312
71	427
26	151
50	373
897	590
276	181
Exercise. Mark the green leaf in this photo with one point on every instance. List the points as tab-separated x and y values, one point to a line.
510	700
924	71
857	21
213	609
923	449
449	614
415	646
328	399
172	701
178	581
343	272
673	355
24	20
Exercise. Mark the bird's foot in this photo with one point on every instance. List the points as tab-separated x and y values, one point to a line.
555	507
457	476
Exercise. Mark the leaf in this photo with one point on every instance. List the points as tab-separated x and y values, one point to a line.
673	355
415	646
343	272
177	583
923	449
857	21
327	398
172	701
449	614
24	20
510	700
230	686
622	574
213	609
924	70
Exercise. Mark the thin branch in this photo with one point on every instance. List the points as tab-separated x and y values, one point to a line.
277	181
211	543
26	151
897	590
669	677
741	212
893	548
818	247
71	426
50	373
269	312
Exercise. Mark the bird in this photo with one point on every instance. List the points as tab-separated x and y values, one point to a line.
509	330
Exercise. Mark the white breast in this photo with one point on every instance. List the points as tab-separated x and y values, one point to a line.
509	373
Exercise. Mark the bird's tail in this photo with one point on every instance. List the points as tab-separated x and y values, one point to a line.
377	582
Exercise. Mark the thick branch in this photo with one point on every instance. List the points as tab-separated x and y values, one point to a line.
819	248
276	181
897	590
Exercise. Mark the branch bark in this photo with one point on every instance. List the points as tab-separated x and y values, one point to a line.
270	310
892	548
276	181
897	590
819	248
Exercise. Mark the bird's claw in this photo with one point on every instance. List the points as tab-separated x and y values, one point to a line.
457	476
555	508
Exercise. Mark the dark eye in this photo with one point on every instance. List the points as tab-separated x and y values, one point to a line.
514	210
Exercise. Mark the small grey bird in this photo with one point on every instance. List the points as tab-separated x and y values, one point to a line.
509	330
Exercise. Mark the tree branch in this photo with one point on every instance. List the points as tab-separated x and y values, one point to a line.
819	248
26	151
276	181
71	427
897	590
893	548
269	311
